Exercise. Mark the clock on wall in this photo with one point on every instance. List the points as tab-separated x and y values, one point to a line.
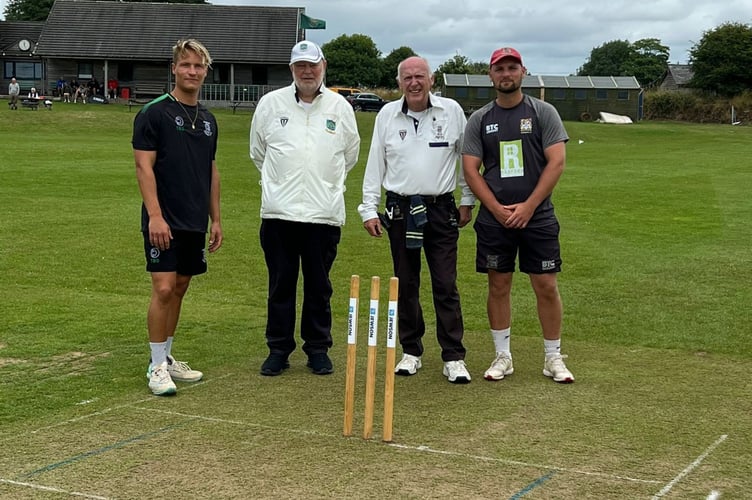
24	45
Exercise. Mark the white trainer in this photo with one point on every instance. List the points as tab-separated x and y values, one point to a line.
456	372
555	368
160	382
180	371
500	367
409	365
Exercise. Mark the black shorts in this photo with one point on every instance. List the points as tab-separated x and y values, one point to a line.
186	255
538	248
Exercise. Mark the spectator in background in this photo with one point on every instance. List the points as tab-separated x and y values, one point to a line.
60	86
13	90
112	88
33	94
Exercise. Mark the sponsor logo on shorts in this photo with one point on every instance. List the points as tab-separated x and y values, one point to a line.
492	261
154	255
203	255
548	265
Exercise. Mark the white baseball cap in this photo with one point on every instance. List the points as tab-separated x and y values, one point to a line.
306	51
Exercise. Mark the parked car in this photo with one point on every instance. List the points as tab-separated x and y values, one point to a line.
366	102
345	91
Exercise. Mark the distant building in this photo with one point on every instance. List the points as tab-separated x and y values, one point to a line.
131	42
677	78
574	97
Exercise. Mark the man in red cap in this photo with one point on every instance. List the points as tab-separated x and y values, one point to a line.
520	142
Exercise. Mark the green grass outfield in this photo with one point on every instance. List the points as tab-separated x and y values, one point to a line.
656	290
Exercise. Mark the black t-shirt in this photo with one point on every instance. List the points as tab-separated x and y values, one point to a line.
185	139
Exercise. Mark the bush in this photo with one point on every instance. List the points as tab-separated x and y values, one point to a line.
695	107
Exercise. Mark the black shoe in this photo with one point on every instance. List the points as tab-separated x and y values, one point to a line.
274	365
320	364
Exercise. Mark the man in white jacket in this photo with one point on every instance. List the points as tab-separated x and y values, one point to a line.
304	140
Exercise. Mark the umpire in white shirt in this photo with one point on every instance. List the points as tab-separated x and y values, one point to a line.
414	156
304	140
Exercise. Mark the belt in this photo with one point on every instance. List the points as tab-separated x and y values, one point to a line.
427	198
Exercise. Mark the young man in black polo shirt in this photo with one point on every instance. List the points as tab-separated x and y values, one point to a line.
174	144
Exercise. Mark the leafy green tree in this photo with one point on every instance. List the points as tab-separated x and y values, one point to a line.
38	10
389	66
609	59
649	61
722	60
458	65
645	59
352	60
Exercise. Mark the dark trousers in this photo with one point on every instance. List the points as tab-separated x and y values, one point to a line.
288	248
440	235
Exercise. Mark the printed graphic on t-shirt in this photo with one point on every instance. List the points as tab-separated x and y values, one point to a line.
510	159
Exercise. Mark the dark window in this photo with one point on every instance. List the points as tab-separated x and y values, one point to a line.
623	95
580	94
23	70
461	92
559	94
85	71
483	93
601	94
125	71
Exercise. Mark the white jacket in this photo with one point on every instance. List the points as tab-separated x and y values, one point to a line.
304	155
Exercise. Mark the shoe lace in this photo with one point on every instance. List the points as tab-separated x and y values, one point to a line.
556	363
502	359
180	366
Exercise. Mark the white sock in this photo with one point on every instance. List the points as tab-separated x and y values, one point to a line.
501	340
168	346
158	353
552	347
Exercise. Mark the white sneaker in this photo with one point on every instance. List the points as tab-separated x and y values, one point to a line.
555	368
409	365
160	382
500	367
456	372
180	371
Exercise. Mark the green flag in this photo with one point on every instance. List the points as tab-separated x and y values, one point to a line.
309	23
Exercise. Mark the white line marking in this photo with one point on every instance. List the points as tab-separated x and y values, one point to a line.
50	488
405	447
690	467
714	495
523	464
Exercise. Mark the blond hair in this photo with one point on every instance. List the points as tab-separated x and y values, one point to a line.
191	44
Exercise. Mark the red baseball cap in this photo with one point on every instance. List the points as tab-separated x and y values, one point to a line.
503	52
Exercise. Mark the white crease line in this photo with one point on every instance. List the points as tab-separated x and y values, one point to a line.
50	488
690	467
714	495
523	464
119	407
406	447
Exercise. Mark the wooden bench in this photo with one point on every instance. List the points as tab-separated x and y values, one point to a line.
148	90
250	105
137	102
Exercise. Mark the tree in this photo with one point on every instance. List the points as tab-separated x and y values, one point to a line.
645	59
38	10
458	65
649	61
352	60
608	60
390	63
722	60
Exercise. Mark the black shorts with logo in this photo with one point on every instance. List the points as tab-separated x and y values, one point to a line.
186	255
538	248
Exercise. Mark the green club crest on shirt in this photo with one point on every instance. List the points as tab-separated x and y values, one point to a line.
331	126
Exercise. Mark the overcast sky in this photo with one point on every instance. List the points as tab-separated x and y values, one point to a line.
553	36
